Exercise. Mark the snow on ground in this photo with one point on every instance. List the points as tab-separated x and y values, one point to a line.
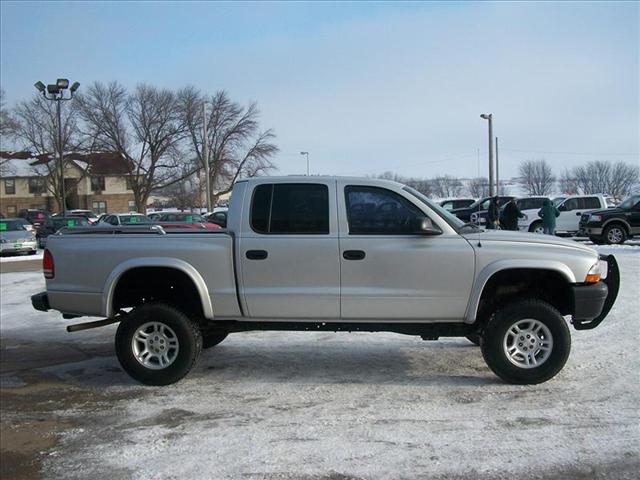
275	405
22	258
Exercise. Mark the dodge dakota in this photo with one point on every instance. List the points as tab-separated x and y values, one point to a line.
329	254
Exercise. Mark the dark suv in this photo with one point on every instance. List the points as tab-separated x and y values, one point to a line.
34	216
613	225
53	224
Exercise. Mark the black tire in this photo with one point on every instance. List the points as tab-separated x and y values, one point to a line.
497	331
535	225
211	339
33	252
474	338
614	234
188	335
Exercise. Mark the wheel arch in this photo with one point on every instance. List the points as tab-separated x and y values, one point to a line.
500	271
171	264
617	220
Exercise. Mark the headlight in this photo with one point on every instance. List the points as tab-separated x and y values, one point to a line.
593	275
595	218
524	218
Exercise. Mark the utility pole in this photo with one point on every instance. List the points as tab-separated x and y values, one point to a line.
307	155
489	117
497	170
205	155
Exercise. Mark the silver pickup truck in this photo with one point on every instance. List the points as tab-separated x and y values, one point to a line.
329	254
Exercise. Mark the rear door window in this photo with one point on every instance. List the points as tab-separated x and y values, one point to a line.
590	203
290	208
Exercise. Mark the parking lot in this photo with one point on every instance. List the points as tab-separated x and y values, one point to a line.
315	406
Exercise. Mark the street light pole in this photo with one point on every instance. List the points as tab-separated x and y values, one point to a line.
205	155
56	94
489	117
307	154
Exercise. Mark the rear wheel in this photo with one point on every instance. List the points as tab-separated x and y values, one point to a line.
526	342
536	227
157	344
614	234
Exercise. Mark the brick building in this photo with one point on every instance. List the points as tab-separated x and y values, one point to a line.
99	182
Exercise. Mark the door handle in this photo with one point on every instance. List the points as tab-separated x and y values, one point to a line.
256	254
353	255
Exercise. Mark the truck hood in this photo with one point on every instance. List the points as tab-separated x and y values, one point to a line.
522	237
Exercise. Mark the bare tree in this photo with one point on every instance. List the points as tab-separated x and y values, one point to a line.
144	127
617	179
36	128
446	186
8	124
186	193
236	146
567	183
536	177
478	187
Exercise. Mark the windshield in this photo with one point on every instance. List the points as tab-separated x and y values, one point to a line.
11	226
630	202
447	216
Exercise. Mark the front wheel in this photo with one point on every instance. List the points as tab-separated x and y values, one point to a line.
157	344
614	235
536	227
526	342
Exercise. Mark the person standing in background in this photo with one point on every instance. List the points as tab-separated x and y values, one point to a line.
548	213
510	216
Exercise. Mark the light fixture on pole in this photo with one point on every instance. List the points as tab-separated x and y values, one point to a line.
307	154
489	117
55	93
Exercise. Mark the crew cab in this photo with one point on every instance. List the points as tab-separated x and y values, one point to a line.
613	225
571	209
329	254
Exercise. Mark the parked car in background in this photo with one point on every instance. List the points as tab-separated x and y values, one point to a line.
154	215
529	206
464	214
15	239
34	216
612	225
120	219
218	216
455	203
87	214
571	209
185	220
53	224
26	225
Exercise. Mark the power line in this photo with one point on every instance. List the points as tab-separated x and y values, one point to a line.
572	153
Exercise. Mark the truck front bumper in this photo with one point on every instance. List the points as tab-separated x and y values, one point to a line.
40	301
592	303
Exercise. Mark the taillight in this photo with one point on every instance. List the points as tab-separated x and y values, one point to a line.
48	267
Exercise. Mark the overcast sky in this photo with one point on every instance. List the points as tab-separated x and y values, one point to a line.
363	87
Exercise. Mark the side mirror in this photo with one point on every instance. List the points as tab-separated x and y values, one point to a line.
578	214
424	226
